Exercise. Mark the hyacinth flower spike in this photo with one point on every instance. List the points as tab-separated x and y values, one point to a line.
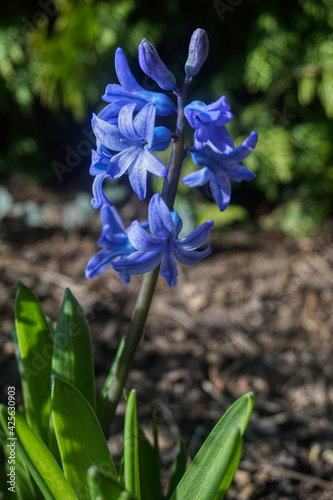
114	242
220	169
135	139
162	246
208	122
129	91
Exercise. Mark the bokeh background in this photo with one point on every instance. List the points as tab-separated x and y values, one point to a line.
274	62
257	314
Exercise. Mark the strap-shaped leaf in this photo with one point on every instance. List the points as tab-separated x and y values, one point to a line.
72	357
80	438
131	451
105	487
149	463
179	468
35	348
203	478
38	459
235	452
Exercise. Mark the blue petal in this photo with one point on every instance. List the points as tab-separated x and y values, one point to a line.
122	161
191	111
241	151
99	263
177	221
139	262
190	257
110	217
169	268
99	163
137	175
196	238
198	178
153	164
161	140
221	190
109	135
110	113
141	240
160	220
124	73
144	123
98	193
125	122
239	173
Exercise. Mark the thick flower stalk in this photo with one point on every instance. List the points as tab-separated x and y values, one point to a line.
127	135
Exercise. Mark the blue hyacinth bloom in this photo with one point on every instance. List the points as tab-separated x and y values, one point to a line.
220	169
114	242
134	138
162	246
129	91
208	122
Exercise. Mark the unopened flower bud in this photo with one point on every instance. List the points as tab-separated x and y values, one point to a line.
197	52
152	65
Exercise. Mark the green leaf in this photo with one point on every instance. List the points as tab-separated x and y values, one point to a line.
109	378
35	348
24	487
38	459
203	478
179	468
232	458
80	438
149	468
105	487
72	357
131	451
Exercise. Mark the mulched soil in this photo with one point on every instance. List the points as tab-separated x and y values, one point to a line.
257	316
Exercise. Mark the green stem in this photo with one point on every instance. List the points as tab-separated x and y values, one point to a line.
107	407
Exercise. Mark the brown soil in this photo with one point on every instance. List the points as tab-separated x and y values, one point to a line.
254	316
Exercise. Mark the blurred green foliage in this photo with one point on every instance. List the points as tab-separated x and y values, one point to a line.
273	61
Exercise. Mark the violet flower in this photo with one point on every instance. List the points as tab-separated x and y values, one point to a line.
220	169
134	138
162	246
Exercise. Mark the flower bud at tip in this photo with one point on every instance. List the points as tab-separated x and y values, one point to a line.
197	52
151	63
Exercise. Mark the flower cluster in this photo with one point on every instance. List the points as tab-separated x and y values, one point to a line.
127	137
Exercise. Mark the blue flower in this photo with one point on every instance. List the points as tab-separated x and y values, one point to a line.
162	246
129	91
151	63
209	121
135	139
114	242
220	169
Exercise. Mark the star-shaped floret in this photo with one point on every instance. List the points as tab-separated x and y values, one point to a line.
162	246
135	137
208	122
129	91
220	169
